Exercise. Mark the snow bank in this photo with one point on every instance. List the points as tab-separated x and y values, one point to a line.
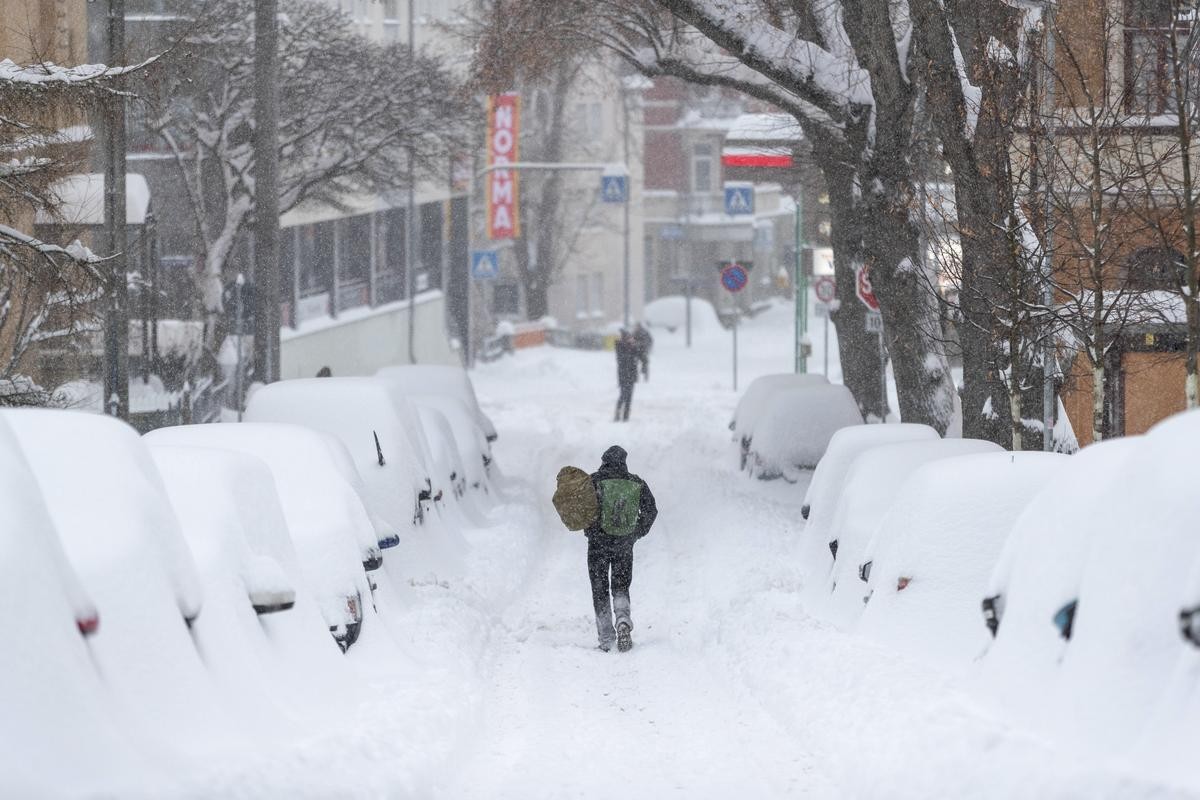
871	485
796	426
940	541
670	314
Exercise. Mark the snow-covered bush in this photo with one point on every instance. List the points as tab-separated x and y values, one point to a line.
670	314
930	558
795	427
754	399
831	553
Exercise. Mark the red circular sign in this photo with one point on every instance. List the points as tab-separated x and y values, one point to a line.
825	289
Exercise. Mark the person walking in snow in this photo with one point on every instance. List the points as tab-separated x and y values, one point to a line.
645	343
627	372
626	512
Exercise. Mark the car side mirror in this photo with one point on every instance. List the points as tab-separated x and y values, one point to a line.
864	571
991	613
1064	619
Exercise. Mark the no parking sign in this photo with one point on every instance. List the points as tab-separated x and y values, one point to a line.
734	277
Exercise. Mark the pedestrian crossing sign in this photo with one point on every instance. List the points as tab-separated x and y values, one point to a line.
485	265
613	188
739	200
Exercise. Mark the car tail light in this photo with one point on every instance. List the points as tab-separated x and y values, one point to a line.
88	624
902	583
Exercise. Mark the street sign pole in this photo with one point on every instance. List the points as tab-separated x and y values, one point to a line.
735	347
801	284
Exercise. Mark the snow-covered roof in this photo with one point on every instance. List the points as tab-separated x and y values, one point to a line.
82	200
765	128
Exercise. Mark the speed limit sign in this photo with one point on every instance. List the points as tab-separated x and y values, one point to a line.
825	288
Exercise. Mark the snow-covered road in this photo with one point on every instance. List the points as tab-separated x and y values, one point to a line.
495	689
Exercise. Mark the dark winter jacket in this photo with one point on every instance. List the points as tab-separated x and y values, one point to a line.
612	465
627	361
644	341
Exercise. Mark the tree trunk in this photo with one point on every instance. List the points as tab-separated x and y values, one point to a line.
862	367
1098	380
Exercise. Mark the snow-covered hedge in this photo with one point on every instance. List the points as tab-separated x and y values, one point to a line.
796	426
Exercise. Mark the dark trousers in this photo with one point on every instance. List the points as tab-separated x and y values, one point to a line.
624	402
610	563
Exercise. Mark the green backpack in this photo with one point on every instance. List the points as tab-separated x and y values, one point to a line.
575	498
620	506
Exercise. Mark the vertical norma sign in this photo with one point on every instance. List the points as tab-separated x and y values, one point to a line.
504	118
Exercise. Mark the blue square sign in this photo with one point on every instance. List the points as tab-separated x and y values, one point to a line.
739	200
613	188
485	265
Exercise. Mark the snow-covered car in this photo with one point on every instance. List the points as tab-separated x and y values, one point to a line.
1038	573
435	379
474	446
445	457
326	518
29	528
845	446
795	428
55	709
1126	664
931	555
671	314
121	536
77	456
750	407
361	414
832	553
232	523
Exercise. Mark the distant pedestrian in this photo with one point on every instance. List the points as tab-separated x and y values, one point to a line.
627	372
626	512
645	343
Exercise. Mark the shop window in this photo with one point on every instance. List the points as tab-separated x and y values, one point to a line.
1150	268
506	299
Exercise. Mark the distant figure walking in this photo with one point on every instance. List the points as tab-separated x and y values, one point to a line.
627	372
626	512
645	343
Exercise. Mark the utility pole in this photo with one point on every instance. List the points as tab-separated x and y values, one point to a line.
116	323
410	226
1049	406
266	192
801	284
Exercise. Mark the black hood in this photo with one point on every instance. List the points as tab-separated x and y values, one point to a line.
614	458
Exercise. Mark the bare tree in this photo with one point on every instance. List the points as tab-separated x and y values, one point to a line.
350	110
48	291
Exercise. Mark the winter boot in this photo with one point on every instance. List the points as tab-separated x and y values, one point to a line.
624	640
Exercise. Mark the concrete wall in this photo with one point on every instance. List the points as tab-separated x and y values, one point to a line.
362	340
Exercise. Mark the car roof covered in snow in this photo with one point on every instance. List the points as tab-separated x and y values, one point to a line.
436	379
944	534
797	424
750	406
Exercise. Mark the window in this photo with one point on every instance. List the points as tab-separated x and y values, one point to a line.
1155	268
702	168
1150	56
354	248
316	257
